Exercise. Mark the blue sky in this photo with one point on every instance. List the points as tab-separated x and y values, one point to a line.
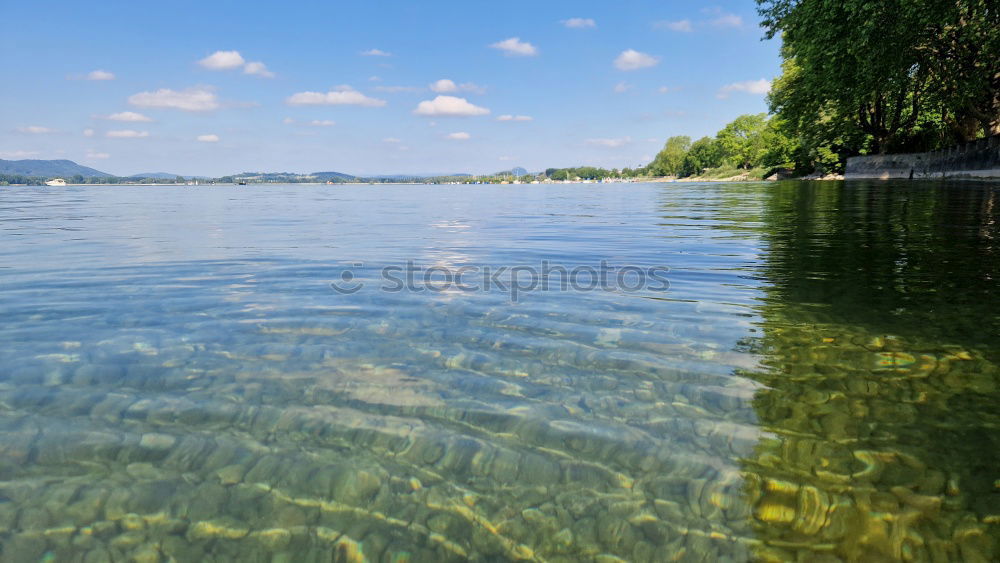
213	88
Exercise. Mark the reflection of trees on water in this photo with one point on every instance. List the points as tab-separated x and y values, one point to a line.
882	338
924	262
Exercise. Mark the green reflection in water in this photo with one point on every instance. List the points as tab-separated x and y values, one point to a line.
882	337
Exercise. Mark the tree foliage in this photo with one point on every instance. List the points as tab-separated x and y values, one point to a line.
749	141
704	153
586	173
742	140
905	74
669	160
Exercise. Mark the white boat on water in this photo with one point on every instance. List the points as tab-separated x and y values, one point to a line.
56	182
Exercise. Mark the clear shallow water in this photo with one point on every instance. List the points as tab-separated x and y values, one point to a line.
179	380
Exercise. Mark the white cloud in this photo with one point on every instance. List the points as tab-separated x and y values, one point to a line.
391	140
667	89
192	99
449	106
514	118
374	79
127	134
100	75
470	87
622	87
288	121
762	86
128	116
506	158
610	143
211	138
223	60
257	68
88	132
229	60
726	20
683	26
515	47
17	154
631	59
445	86
375	53
340	96
395	89
34	129
459	136
98	155
579	23
322	123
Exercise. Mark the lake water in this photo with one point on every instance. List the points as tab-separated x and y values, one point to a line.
181	379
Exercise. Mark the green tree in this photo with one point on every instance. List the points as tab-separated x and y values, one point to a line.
742	141
669	160
899	71
704	153
781	147
825	135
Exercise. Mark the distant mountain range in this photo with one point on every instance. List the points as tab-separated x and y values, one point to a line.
66	169
412	176
337	176
49	168
332	176
163	176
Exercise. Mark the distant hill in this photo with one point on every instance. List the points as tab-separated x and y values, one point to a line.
332	176
414	176
396	177
516	171
276	177
157	175
49	169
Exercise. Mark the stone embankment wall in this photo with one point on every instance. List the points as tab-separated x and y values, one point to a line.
978	159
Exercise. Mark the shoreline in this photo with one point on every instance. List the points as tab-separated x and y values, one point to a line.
660	180
592	182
